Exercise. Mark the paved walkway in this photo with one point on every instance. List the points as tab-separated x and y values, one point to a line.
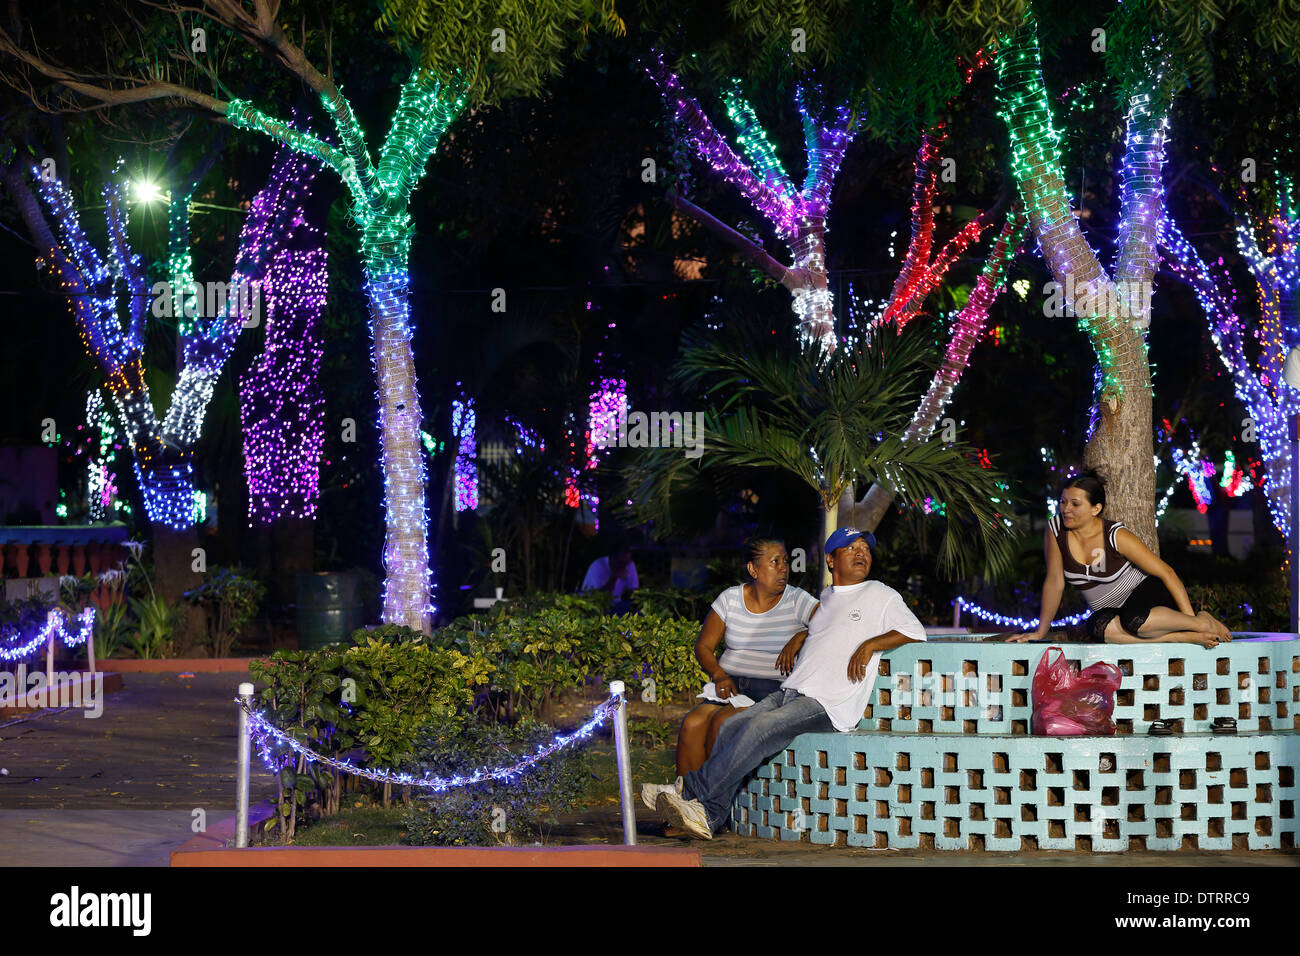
91	837
122	789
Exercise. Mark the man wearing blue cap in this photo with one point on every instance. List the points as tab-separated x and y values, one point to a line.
827	690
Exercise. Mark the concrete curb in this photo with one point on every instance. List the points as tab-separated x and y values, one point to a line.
209	849
217	837
178	665
454	856
112	683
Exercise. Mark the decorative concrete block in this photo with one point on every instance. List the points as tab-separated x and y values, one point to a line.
1014	793
966	688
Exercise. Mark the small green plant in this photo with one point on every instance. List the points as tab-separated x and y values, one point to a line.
111	628
156	623
647	733
230	601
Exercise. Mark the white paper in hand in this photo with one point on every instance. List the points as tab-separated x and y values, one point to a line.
710	693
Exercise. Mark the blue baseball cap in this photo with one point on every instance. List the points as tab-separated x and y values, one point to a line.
842	537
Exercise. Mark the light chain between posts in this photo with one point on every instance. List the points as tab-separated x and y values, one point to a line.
55	624
265	732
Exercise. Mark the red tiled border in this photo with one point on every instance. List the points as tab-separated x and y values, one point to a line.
178	665
209	849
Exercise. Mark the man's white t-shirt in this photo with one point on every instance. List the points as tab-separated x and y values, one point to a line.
598	574
848	616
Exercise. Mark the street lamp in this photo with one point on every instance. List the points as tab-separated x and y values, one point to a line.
146	191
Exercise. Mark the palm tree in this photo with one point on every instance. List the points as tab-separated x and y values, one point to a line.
833	422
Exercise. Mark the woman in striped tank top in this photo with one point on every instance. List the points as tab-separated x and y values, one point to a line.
764	624
1133	595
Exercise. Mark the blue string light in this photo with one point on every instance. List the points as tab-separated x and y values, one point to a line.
54	623
1026	623
267	735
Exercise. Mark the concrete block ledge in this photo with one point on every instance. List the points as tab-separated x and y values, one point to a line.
1016	793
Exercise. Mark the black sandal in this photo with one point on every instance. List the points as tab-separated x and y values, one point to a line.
1161	728
1224	725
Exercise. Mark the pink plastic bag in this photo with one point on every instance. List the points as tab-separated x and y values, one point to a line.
1070	703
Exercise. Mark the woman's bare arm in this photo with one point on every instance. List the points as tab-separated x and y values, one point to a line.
706	647
1131	547
1053	589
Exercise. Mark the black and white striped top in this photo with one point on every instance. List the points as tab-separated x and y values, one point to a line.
1107	581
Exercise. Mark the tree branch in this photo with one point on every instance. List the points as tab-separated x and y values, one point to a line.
713	149
105	96
746	246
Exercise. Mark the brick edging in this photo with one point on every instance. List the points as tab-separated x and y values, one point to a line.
177	665
209	849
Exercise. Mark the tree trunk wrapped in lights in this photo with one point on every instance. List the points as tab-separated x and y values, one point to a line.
797	214
1270	402
381	194
282	409
1113	310
162	451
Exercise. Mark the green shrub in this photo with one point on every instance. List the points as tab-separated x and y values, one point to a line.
400	686
394	693
25	615
230	601
640	648
388	634
490	813
583	604
303	697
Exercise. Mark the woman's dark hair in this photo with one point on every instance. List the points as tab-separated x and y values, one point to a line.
1091	483
755	547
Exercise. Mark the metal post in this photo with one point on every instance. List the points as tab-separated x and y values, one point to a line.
624	764
90	646
49	662
956	612
241	780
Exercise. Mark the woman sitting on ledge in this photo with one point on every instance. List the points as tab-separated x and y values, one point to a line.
764	624
1133	595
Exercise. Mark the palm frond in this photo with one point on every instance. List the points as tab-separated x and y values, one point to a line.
832	423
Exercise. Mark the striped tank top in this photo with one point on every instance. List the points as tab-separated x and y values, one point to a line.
754	641
1109	580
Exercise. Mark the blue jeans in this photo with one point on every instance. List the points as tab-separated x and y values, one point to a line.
745	741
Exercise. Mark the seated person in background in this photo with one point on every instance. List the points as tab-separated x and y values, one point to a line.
828	688
764	624
616	574
1133	595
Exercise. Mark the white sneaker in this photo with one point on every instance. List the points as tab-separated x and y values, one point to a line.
685	814
650	792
